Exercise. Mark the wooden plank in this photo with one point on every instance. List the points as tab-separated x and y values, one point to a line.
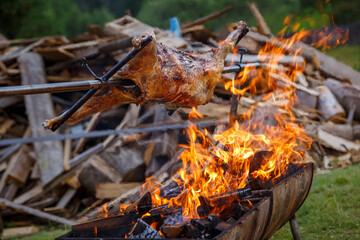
11	190
92	124
291	60
113	190
40	107
67	152
35	212
12	165
11	56
5	126
9	101
337	143
26	196
65	199
19	231
20	167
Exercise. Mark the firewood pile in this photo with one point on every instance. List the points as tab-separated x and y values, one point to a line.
69	180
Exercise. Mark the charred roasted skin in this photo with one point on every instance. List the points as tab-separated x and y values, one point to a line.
162	74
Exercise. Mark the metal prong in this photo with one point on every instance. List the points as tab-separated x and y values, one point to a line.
86	65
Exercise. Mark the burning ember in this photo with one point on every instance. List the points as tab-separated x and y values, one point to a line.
219	169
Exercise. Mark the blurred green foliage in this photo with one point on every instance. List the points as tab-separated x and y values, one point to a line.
156	12
32	18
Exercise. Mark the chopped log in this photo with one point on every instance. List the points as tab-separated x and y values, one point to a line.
300	48
200	34
67	153
328	105
341	130
16	232
128	26
173	231
65	199
161	175
35	173
330	67
14	168
348	95
7	152
92	124
80	159
16	54
294	61
262	26
113	190
356	132
49	154
337	143
212	110
54	53
35	212
10	101
295	85
300	78
26	196
165	143
4	127
143	230
100	172
306	99
126	160
313	82
121	43
11	190
20	166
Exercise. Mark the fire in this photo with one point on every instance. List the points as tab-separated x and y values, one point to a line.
224	162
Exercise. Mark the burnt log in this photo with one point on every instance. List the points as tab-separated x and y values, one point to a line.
143	230
173	231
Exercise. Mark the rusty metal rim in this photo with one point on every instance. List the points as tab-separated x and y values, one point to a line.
271	192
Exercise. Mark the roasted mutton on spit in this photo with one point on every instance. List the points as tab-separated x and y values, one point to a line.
162	74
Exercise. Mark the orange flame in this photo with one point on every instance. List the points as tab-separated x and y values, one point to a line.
212	166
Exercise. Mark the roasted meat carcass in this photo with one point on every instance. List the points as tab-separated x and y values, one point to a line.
162	74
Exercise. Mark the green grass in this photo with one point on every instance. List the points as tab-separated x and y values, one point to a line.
332	209
47	233
348	54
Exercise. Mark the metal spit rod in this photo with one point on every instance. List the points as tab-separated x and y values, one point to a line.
88	84
120	132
